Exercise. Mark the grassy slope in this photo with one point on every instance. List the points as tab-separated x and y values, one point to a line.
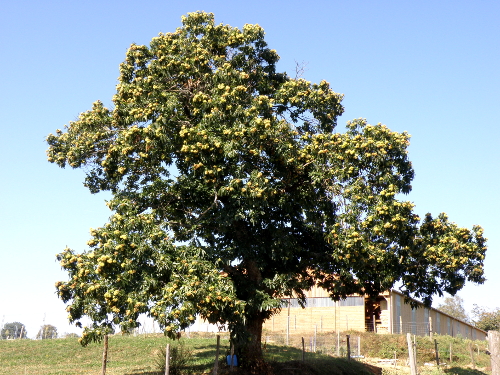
130	355
66	356
138	355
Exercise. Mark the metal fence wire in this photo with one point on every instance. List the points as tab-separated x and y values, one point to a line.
330	343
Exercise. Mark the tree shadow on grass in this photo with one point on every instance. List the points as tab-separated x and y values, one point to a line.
463	371
281	360
202	361
282	354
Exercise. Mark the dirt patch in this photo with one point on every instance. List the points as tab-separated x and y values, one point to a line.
380	364
373	369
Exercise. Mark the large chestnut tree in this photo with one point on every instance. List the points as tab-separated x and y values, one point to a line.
231	190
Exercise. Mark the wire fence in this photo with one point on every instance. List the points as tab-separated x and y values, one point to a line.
387	349
296	324
330	343
35	326
313	335
377	349
305	323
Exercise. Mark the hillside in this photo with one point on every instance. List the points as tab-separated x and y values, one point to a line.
129	355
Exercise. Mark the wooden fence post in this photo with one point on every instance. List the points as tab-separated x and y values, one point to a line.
415	351
348	347
105	355
216	364
315	336
494	348
338	344
231	367
411	355
167	360
437	352
471	351
288	331
303	350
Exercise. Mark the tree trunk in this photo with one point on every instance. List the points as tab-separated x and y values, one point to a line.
252	350
249	350
248	345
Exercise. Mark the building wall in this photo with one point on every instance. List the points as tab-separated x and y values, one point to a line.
422	321
384	323
355	313
321	314
322	319
393	316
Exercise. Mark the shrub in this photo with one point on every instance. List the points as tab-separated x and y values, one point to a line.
181	356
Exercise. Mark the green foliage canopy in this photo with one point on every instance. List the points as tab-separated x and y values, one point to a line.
13	330
47	331
454	306
231	190
486	319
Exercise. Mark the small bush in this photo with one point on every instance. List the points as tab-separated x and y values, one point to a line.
387	349
181	356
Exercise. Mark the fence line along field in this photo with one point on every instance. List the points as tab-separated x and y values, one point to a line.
142	354
127	355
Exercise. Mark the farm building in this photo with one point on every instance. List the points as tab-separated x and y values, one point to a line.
388	313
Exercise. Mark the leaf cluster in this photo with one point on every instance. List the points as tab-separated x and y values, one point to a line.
486	319
47	331
13	330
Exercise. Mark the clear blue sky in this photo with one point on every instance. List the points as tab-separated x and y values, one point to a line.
431	68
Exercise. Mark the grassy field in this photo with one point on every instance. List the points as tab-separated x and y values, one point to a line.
465	354
129	355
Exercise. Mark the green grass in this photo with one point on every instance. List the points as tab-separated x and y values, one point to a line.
126	355
129	355
314	363
385	346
